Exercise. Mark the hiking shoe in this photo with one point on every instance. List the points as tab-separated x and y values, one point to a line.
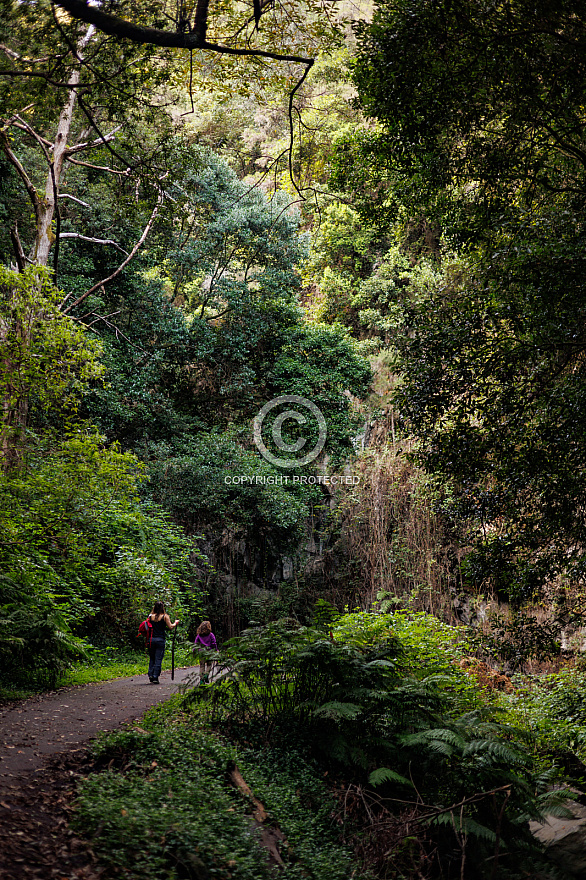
155	681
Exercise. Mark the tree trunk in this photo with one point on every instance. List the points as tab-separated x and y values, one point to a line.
48	205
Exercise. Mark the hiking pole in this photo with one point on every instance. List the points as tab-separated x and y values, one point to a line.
173	654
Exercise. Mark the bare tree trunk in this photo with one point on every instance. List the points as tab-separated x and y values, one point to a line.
48	205
15	335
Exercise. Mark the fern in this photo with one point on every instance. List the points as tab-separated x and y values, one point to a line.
495	749
383	774
435	739
464	825
337	711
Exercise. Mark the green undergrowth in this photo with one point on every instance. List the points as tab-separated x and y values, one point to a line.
428	645
164	807
370	748
553	708
10	694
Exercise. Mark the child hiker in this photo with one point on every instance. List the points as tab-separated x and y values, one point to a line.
161	622
206	640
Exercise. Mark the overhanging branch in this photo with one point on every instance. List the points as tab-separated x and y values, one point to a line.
120	27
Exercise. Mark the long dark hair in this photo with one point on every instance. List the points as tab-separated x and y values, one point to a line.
205	628
158	610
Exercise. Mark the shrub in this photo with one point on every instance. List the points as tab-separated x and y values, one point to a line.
425	742
81	555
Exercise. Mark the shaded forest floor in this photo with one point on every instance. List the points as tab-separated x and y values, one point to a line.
43	754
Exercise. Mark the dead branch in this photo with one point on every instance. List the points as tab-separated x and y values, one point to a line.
103	318
81	237
473	799
102	138
42	142
17	247
105	168
26	127
236	778
122	265
73	199
90	145
270	838
12	54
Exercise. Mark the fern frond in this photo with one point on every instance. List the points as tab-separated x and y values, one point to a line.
464	825
383	774
495	749
440	734
336	710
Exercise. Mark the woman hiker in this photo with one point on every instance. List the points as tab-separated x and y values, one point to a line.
161	622
206	640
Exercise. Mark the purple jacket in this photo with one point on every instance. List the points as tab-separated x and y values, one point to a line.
208	641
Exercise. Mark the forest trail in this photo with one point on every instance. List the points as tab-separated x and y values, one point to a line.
43	752
43	726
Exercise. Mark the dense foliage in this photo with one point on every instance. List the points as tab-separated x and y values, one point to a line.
398	744
81	555
478	130
483	100
409	258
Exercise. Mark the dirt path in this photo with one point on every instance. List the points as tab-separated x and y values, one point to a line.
43	750
46	725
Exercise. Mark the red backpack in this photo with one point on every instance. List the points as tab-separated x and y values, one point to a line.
146	630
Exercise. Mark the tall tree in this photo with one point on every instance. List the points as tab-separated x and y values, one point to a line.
480	107
68	118
68	99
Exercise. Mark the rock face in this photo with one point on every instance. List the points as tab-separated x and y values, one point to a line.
565	840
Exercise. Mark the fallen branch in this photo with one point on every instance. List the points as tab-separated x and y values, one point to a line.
270	838
237	779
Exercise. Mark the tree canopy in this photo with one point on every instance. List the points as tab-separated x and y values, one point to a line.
480	119
485	100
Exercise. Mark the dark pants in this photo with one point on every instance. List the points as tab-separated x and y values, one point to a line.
156	651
